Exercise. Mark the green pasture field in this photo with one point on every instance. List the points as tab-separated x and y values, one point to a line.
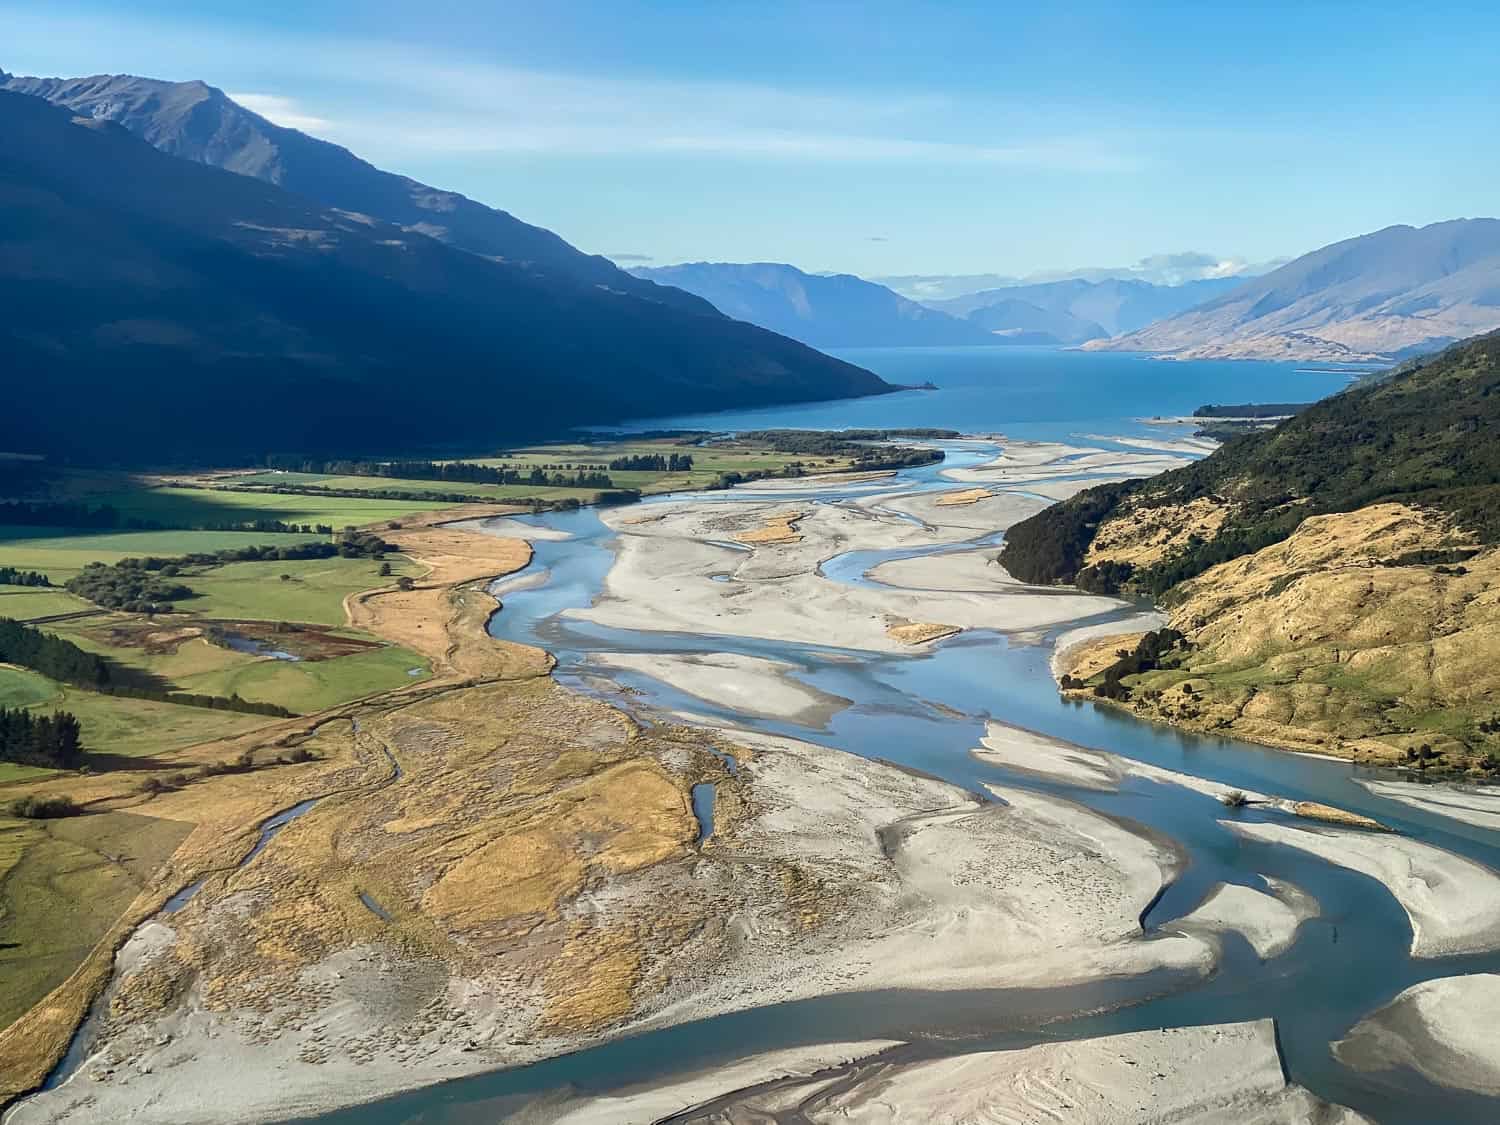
115	725
60	554
314	591
62	884
495	492
203	506
26	603
313	685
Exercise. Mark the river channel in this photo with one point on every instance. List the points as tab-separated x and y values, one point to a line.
927	710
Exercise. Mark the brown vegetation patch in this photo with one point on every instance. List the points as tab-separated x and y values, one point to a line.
1312	810
920	632
964	497
444	613
1144	536
145	633
1087	659
305	642
780	528
1340	641
592	982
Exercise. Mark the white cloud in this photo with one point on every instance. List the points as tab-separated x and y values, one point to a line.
391	100
283	111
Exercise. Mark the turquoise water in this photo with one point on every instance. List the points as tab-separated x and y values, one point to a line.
927	711
1027	392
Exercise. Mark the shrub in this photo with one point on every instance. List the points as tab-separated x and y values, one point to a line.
1235	799
44	808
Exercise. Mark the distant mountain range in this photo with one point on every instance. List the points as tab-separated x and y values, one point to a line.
1076	310
929	288
1382	296
840	310
1166	270
824	310
154	308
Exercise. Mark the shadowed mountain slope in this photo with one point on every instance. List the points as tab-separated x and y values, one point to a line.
154	308
198	122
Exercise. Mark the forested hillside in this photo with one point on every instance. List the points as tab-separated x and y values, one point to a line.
1331	584
1427	436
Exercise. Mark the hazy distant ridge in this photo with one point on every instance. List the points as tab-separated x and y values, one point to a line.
824	310
1381	296
1077	310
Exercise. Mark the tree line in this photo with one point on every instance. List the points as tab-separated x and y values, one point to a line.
51	741
142	585
653	463
106	517
10	576
50	655
466	472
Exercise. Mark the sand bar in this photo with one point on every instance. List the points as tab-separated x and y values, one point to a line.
647	1104
982	515
747	684
1444	1029
1032	462
1209	1075
964	571
1453	902
662	580
1268	921
1479	807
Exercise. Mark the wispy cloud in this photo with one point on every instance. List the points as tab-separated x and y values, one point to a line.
630	257
392	99
283	111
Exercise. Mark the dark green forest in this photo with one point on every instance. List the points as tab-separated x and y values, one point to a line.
51	741
146	585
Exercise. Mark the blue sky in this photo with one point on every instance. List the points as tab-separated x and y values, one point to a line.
874	138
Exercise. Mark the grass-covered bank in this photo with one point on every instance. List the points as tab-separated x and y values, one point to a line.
1334	579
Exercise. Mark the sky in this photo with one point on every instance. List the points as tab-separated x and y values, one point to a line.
875	138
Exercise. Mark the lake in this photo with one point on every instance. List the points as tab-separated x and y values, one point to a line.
1032	392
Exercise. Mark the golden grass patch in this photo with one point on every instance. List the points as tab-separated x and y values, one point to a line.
962	498
920	632
779	528
1329	814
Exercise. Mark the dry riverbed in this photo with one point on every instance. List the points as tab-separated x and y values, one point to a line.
663	579
277	991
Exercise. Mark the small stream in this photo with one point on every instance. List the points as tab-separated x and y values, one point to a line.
81	1045
927	710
